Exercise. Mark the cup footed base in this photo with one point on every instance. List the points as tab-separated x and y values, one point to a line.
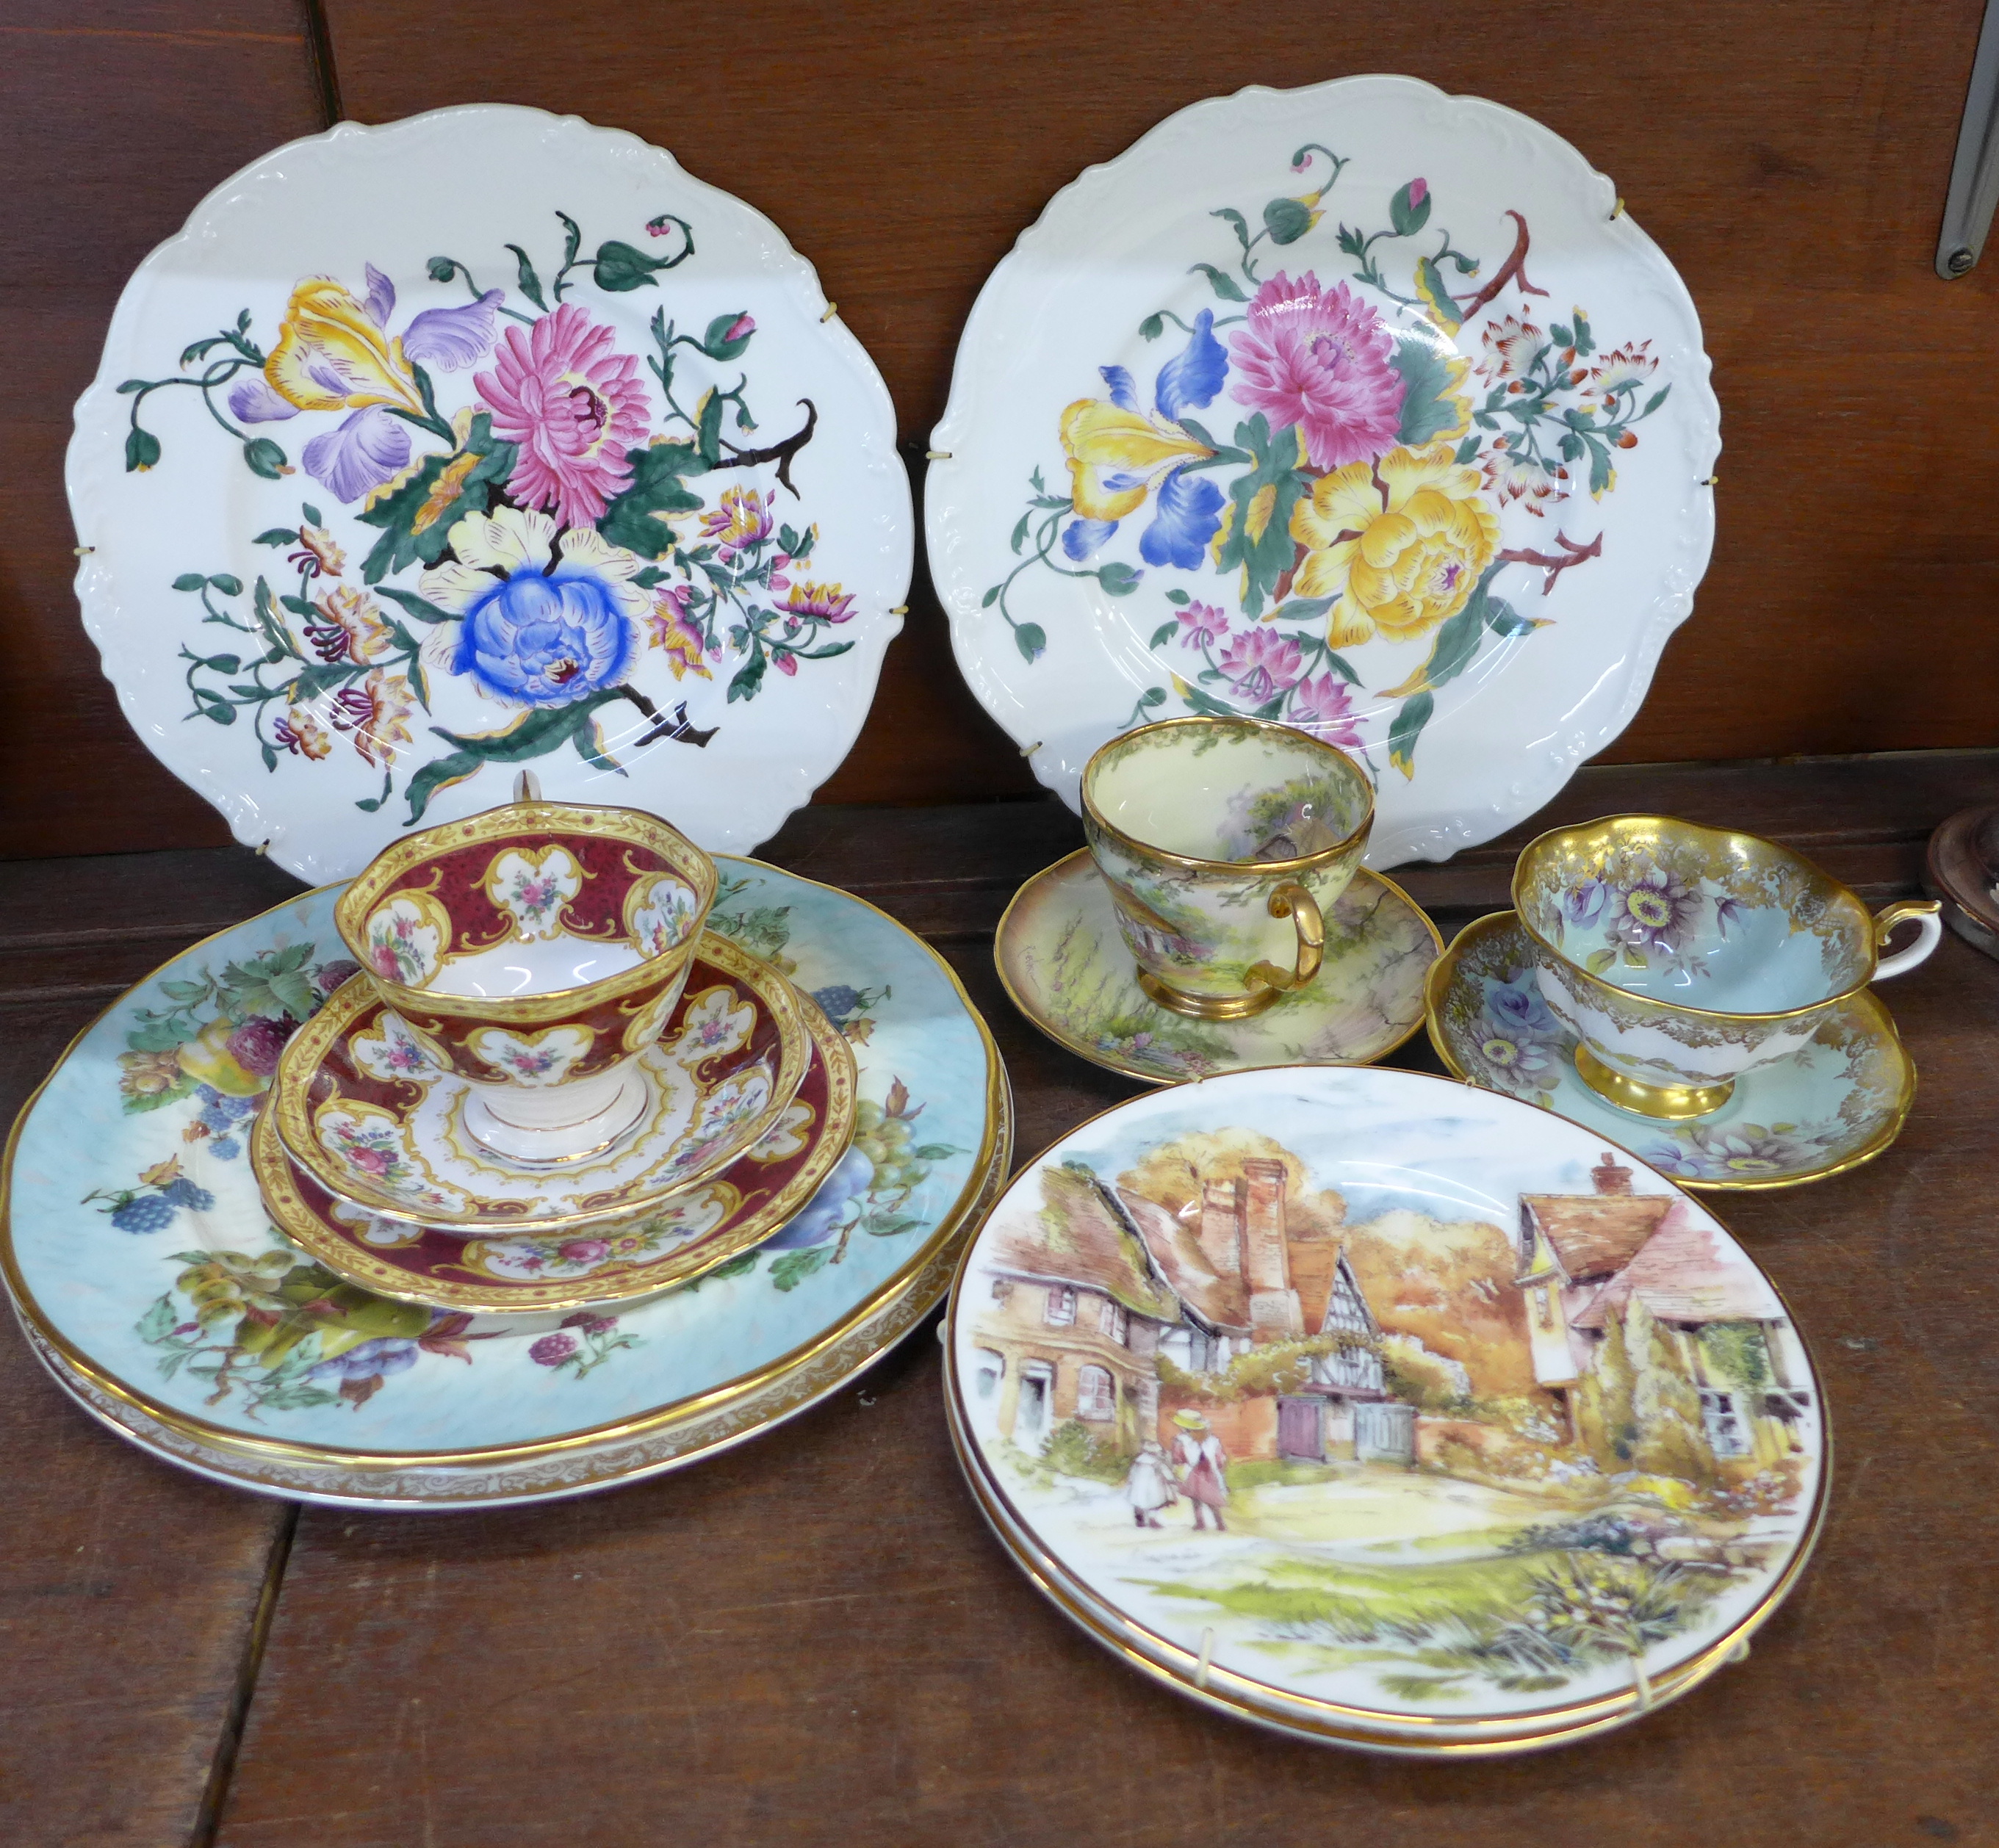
1205	1007
558	1143
1664	1103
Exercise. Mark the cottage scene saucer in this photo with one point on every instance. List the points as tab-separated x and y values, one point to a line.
1385	1410
689	1232
1062	960
378	1120
142	1260
1838	1101
487	436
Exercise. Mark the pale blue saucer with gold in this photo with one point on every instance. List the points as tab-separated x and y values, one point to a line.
1838	1102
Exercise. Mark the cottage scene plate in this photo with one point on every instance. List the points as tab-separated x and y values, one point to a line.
1361	406
1838	1102
1407	1410
486	437
689	1232
379	1122
137	1249
1062	958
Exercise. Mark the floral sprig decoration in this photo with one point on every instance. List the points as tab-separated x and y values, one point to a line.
557	520
1359	497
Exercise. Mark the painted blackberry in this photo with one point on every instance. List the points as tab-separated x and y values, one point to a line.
332	974
183	1192
143	1212
225	1148
838	1002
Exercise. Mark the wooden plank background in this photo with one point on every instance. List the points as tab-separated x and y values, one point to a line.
1791	159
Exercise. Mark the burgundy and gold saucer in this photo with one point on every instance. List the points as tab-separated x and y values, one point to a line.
670	1241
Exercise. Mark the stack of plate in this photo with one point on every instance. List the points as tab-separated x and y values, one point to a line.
1384	1412
289	1340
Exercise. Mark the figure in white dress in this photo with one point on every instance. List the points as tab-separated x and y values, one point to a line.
1149	1486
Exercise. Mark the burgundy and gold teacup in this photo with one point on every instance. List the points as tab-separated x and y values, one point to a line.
535	950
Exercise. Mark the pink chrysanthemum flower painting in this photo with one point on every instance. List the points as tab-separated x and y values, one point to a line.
573	406
1324	362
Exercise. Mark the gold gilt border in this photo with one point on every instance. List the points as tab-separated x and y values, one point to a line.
1302	1715
934	1259
369	887
304	1228
1109	1061
309	1047
1437	984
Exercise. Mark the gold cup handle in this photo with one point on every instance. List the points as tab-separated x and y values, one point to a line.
1924	911
1291	900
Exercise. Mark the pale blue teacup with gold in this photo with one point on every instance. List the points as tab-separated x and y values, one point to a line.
1224	841
1681	957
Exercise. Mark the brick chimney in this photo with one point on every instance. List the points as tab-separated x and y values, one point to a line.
1610	1176
1275	1314
1220	1234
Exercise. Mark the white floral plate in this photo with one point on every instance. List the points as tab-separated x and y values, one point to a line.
427	450
1064	964
137	1252
1839	1101
1361	406
1385	1410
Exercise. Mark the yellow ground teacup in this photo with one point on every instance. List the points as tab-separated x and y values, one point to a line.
1224	841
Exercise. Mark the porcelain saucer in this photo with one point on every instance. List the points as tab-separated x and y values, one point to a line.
142	1261
1838	1102
795	1170
379	1123
1062	959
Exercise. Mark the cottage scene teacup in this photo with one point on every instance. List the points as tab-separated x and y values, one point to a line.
1682	956
1224	841
535	950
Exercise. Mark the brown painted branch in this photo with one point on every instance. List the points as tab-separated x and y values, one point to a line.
676	727
780	453
1553	564
1514	265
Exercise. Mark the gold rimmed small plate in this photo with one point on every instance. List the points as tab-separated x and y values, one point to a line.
1838	1103
671	1241
1062	961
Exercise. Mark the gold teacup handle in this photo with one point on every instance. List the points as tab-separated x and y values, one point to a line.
1924	911
1291	900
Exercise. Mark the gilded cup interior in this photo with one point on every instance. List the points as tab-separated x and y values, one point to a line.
1696	917
537	898
1228	790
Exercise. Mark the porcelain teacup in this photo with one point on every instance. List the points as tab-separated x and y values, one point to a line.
1682	956
535	950
1224	841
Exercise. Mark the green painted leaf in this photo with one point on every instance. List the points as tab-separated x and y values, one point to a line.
1152	327
707	437
1502	619
1430	405
227	585
142	450
1407	214
159	1321
1222	284
1119	579
1599	959
1407	728
749	678
533	735
1436	296
401	545
531	284
1600	464
312	513
420	608
1287	220
620	268
990	598
1021	532
1031	640
189	580
715	342
1178	597
223	663
276	535
1655	400
213	706
1164	634
1467	451
657	487
788	1271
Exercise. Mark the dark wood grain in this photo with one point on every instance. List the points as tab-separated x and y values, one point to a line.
114	120
128	1590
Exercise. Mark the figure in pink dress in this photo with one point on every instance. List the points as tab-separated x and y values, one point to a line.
1203	1463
